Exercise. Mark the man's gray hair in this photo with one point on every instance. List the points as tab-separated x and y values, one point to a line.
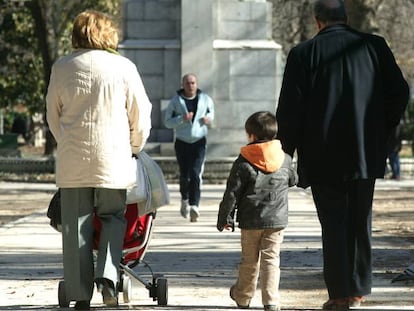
330	11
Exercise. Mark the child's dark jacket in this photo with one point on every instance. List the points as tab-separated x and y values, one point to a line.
257	188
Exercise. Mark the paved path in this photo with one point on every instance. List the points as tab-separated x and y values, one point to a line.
199	262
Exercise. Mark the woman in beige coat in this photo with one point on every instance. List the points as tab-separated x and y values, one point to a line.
99	113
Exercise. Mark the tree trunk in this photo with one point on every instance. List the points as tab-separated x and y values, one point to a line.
41	34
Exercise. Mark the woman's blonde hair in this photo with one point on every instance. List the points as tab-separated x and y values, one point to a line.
94	30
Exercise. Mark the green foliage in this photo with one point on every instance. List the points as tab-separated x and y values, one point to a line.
8	118
20	64
27	52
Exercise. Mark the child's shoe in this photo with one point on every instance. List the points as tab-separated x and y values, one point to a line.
241	306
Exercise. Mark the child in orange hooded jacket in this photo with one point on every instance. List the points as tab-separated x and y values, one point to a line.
257	188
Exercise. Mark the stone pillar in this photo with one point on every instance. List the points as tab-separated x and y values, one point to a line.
151	39
197	41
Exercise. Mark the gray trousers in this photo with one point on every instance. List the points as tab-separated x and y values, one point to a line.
77	233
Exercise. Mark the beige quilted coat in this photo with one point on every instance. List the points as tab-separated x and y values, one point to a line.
99	113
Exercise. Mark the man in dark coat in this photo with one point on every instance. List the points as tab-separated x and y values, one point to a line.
342	93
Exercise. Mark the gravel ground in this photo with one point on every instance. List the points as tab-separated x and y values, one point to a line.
200	263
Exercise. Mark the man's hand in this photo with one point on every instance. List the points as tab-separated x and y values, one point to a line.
188	116
206	120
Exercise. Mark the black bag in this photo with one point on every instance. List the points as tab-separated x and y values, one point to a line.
54	212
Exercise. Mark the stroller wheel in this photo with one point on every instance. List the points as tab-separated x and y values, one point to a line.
63	302
162	291
126	288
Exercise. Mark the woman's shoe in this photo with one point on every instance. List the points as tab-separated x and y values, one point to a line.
109	294
83	305
338	304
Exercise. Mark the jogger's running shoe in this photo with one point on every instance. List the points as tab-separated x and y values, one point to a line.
194	213
185	208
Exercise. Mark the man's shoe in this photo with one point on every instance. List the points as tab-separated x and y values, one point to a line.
355	302
339	304
194	213
185	208
83	305
240	306
271	308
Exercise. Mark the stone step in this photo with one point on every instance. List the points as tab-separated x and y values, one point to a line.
215	170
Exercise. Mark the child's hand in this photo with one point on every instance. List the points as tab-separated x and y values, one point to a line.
227	226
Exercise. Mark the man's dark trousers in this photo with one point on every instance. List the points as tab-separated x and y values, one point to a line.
190	158
345	213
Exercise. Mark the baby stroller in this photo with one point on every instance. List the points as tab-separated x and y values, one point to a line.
137	237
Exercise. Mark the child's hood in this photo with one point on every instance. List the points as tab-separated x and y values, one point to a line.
267	156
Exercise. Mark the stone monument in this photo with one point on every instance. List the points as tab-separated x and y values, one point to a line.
226	43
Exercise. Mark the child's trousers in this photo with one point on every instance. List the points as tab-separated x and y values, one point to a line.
260	251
